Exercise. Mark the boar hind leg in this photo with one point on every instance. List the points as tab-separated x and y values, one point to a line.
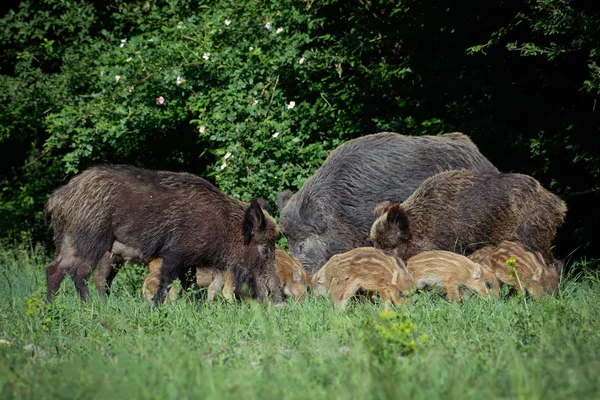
55	274
106	273
80	275
66	262
343	290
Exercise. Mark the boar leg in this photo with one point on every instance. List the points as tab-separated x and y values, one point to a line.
343	290
55	274
452	292
228	285
106	273
215	286
170	269
80	275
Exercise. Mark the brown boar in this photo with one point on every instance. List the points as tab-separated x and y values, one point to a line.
462	210
178	217
332	212
452	274
364	269
528	273
292	276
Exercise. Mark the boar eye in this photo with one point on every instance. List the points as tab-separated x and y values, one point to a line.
488	285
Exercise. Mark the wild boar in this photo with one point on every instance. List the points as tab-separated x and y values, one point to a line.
178	217
463	210
452	274
292	276
520	267
363	269
332	212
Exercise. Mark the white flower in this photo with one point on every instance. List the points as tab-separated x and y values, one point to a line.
224	165
255	102
276	134
226	156
160	100
123	41
279	30
180	80
251	48
101	73
131	89
202	129
301	61
129	59
2	341
117	78
227	22
206	56
268	26
291	105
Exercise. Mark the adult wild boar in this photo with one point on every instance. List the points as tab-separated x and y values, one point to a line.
463	210
332	212
178	217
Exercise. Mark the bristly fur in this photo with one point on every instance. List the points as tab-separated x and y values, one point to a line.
534	275
178	217
363	269
463	210
333	211
451	274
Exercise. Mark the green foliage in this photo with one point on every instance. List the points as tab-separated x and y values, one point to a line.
254	95
391	335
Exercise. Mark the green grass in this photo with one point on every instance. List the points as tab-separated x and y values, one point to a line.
120	347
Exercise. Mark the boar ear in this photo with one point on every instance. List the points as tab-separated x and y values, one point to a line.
254	221
264	204
477	271
538	274
283	198
382	208
396	216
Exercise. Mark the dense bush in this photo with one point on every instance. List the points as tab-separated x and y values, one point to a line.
253	95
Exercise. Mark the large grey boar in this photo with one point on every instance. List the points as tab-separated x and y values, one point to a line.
177	217
463	210
333	211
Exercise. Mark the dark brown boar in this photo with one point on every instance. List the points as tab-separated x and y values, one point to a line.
177	217
364	269
463	210
452	274
332	212
520	267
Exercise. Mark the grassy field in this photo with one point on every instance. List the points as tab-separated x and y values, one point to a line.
120	347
